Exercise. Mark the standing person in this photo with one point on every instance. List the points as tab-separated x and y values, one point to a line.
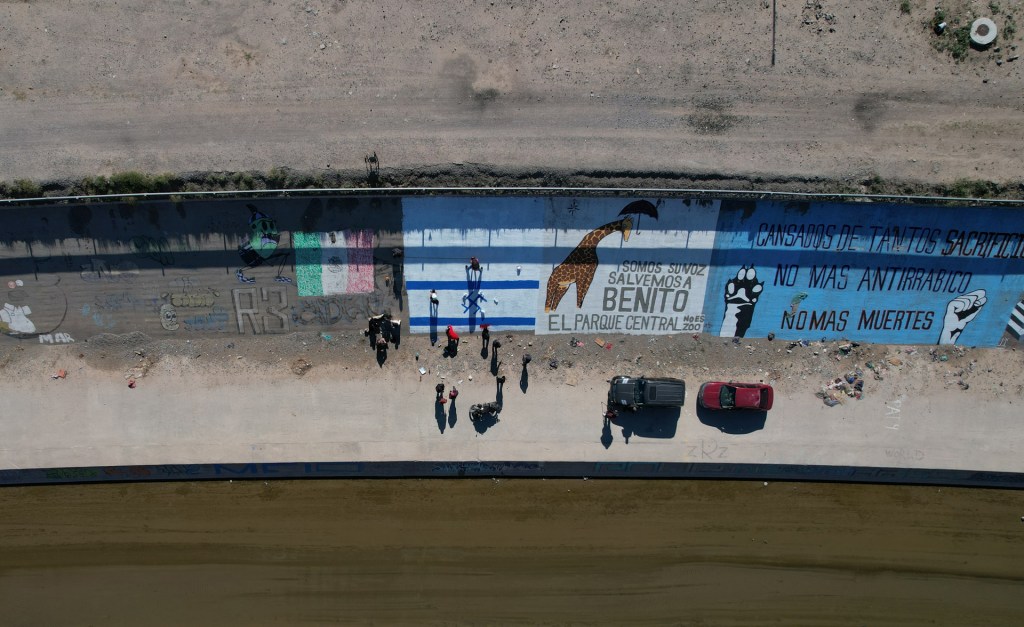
474	264
453	341
439	388
499	394
527	359
434	300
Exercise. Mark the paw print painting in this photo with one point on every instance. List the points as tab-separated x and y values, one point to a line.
741	294
959	312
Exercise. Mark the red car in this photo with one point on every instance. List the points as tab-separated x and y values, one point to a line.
719	395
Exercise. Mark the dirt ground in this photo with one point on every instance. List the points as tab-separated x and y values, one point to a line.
618	88
509	552
791	367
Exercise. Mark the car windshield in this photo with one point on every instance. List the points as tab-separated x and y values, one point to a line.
727	396
638	392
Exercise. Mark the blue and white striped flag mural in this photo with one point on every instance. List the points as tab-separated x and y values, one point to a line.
442	234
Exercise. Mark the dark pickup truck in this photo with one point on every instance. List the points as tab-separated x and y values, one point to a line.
637	392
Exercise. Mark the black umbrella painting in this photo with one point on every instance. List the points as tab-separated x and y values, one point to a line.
640	207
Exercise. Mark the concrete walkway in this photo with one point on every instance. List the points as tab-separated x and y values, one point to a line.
93	419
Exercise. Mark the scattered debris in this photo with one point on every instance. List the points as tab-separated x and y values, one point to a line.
301	366
60	374
131	383
850	385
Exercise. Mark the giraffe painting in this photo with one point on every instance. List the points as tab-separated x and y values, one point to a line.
581	264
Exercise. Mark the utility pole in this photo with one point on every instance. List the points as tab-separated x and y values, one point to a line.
773	32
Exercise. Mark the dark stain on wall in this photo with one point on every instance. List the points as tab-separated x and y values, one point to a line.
311	218
745	206
79	218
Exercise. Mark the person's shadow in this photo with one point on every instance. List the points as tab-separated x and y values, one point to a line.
453	414
494	363
433	324
442	421
382	356
484	351
524	379
499	397
397	278
485	422
396	332
451	350
606	433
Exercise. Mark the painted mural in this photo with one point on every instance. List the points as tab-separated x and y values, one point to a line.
630	267
442	235
550	265
335	262
175	269
871	272
558	265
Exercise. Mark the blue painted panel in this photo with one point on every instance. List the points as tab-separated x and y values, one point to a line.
442	233
484	285
871	272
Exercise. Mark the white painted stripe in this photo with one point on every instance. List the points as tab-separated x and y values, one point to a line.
1016	328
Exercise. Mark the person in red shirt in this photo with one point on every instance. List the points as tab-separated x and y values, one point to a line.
453	341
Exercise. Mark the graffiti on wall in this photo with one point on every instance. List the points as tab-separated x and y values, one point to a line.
806	270
187	293
102	270
261	310
216	320
261	247
35	308
327	311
